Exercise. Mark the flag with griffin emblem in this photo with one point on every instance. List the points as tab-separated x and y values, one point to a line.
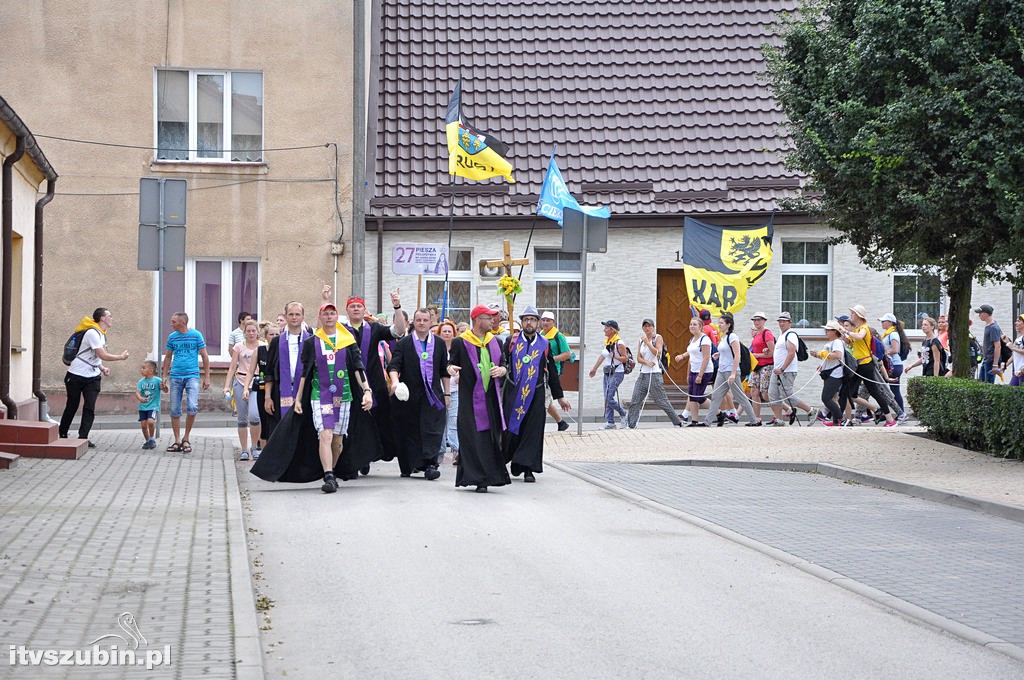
721	263
473	154
555	196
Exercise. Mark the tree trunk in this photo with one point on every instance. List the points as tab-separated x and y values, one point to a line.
959	289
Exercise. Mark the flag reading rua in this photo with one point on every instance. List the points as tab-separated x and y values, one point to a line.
472	154
721	263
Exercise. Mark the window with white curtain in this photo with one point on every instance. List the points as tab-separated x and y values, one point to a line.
558	288
204	115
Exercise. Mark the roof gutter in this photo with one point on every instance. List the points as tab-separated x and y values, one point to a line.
37	307
7	243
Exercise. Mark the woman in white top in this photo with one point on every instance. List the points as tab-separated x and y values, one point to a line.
649	382
237	382
831	371
727	382
1018	352
702	371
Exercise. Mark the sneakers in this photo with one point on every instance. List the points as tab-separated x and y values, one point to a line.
732	418
256	454
902	417
792	416
149	443
773	422
780	423
330	484
865	417
622	421
824	420
697	423
756	423
828	423
562	426
890	423
609	426
244	455
849	422
431	472
720	419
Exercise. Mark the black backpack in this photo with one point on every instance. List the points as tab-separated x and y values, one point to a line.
73	346
801	346
745	362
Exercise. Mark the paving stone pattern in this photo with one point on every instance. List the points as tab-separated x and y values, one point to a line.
121	530
961	564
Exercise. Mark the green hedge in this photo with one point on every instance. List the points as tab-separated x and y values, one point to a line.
975	415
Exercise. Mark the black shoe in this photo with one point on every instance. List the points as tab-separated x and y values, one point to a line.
697	424
481	489
756	423
330	484
528	477
364	470
732	419
562	426
406	474
432	472
91	445
792	416
720	418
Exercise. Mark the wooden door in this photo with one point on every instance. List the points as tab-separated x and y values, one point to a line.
673	310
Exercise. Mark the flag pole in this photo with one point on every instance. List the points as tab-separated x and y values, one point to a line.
451	221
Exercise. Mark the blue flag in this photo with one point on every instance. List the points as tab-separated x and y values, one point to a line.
555	197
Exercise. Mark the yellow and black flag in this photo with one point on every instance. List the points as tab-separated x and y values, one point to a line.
473	154
721	263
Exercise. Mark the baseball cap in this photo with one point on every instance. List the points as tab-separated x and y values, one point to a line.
611	322
647	321
987	309
326	305
705	315
887	317
481	310
547	315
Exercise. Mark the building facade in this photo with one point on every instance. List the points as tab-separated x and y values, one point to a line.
661	112
250	102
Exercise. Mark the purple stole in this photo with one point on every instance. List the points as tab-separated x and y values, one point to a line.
363	335
483	422
527	366
289	383
332	383
426	358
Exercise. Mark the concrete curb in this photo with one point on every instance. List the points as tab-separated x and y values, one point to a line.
1002	510
880	597
248	654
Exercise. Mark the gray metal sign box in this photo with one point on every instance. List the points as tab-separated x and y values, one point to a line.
149	248
572	232
175	197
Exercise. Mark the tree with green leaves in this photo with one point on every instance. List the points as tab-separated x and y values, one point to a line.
908	118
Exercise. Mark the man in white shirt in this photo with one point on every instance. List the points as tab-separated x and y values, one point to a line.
86	371
783	379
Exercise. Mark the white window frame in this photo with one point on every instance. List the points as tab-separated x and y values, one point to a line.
913	327
193	117
799	269
229	318
453	275
544	276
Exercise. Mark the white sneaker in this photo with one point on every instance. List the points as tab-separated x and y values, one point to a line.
244	455
609	426
255	454
622	422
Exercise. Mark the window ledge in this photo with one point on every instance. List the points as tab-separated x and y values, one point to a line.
209	167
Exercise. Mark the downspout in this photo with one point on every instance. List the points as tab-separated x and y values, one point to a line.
380	263
37	306
7	243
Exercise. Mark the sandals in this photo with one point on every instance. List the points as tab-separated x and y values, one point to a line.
174	448
185	446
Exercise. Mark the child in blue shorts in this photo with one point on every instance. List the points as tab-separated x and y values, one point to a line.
148	394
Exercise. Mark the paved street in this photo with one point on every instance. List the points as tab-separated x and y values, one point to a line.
609	566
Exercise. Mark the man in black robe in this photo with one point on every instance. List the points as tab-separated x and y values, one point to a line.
372	435
284	367
530	365
420	393
307	443
476	358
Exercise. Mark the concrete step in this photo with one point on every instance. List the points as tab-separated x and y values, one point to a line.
27	431
65	449
8	460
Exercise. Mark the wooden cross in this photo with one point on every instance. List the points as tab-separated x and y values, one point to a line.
506	263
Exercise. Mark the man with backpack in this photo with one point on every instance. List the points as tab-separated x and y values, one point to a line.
84	354
991	344
789	351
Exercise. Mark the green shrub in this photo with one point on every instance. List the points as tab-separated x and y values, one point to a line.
975	415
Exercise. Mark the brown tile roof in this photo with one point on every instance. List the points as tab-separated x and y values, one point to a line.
656	107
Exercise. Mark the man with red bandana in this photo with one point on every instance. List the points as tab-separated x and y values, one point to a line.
371	434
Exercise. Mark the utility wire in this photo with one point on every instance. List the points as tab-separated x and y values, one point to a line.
155	148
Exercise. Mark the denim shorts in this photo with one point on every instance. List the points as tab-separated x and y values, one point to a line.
147	415
190	386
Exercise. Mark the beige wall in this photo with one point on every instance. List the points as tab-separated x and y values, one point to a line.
86	71
26	179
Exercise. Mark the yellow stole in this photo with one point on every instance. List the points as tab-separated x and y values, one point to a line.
344	338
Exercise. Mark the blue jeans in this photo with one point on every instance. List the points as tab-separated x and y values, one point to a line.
611	404
190	386
986	374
